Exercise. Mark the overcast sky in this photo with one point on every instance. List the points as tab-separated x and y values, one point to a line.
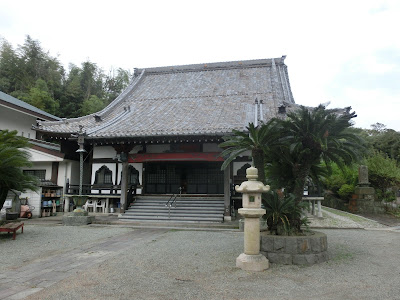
343	52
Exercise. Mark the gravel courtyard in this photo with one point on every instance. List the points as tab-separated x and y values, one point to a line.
114	262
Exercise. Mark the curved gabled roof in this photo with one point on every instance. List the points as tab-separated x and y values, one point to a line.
202	99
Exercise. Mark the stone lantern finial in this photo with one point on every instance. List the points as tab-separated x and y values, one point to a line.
251	173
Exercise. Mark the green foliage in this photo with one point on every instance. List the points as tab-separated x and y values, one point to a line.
256	140
92	105
384	173
384	140
309	137
282	213
12	158
32	75
345	191
341	181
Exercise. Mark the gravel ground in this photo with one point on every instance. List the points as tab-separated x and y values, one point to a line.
201	265
39	241
334	218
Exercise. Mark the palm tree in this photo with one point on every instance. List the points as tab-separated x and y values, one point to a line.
256	140
311	136
12	158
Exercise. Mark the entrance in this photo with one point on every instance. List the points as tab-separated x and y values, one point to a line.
192	177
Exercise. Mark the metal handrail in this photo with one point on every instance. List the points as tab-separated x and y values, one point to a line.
167	203
170	203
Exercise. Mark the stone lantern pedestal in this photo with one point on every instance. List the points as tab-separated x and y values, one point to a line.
79	216
251	259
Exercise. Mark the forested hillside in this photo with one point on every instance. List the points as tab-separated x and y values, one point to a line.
31	74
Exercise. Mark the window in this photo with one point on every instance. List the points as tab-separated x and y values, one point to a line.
103	176
107	177
133	175
41	174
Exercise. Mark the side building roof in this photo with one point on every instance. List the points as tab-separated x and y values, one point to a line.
20	105
201	99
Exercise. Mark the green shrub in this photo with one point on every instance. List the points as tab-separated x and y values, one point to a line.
341	181
346	191
384	174
282	213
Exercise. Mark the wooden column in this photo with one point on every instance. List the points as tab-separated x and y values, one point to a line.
54	172
227	193
124	185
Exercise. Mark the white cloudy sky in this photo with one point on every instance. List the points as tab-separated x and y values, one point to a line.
345	52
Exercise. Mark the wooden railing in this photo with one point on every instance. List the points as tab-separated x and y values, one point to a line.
88	189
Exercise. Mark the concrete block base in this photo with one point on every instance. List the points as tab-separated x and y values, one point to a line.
255	263
77	219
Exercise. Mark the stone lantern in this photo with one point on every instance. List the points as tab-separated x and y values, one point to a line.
252	259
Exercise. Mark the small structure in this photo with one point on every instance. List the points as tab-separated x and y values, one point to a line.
364	196
251	259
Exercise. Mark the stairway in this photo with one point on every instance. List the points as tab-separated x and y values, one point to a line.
188	209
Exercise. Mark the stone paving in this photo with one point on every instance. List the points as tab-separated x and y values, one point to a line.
31	278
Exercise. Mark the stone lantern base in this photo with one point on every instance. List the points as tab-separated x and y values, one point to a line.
77	219
255	263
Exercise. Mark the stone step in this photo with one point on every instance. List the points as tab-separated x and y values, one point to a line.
179	200
187	209
188	205
141	198
178	208
172	218
175	213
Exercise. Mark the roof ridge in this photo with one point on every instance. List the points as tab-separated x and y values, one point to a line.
254	63
129	89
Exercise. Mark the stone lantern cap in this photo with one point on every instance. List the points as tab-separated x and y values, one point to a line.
252	185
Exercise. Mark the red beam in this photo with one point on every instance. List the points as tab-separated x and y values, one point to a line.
188	156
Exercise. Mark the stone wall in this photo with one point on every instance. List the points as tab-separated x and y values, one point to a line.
333	202
297	250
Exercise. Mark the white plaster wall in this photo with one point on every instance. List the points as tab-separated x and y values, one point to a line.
104	152
158	148
14	120
41	156
238	165
137	166
34	199
211	147
41	166
69	170
63	168
73	172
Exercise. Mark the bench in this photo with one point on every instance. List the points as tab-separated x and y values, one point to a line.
12	227
312	200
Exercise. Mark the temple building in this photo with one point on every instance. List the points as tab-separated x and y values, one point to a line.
161	135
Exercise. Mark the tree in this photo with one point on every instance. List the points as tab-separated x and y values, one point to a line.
92	105
13	156
40	97
384	140
384	174
115	84
314	135
8	67
256	140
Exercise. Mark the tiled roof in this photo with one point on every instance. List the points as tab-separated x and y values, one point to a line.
11	101
203	99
